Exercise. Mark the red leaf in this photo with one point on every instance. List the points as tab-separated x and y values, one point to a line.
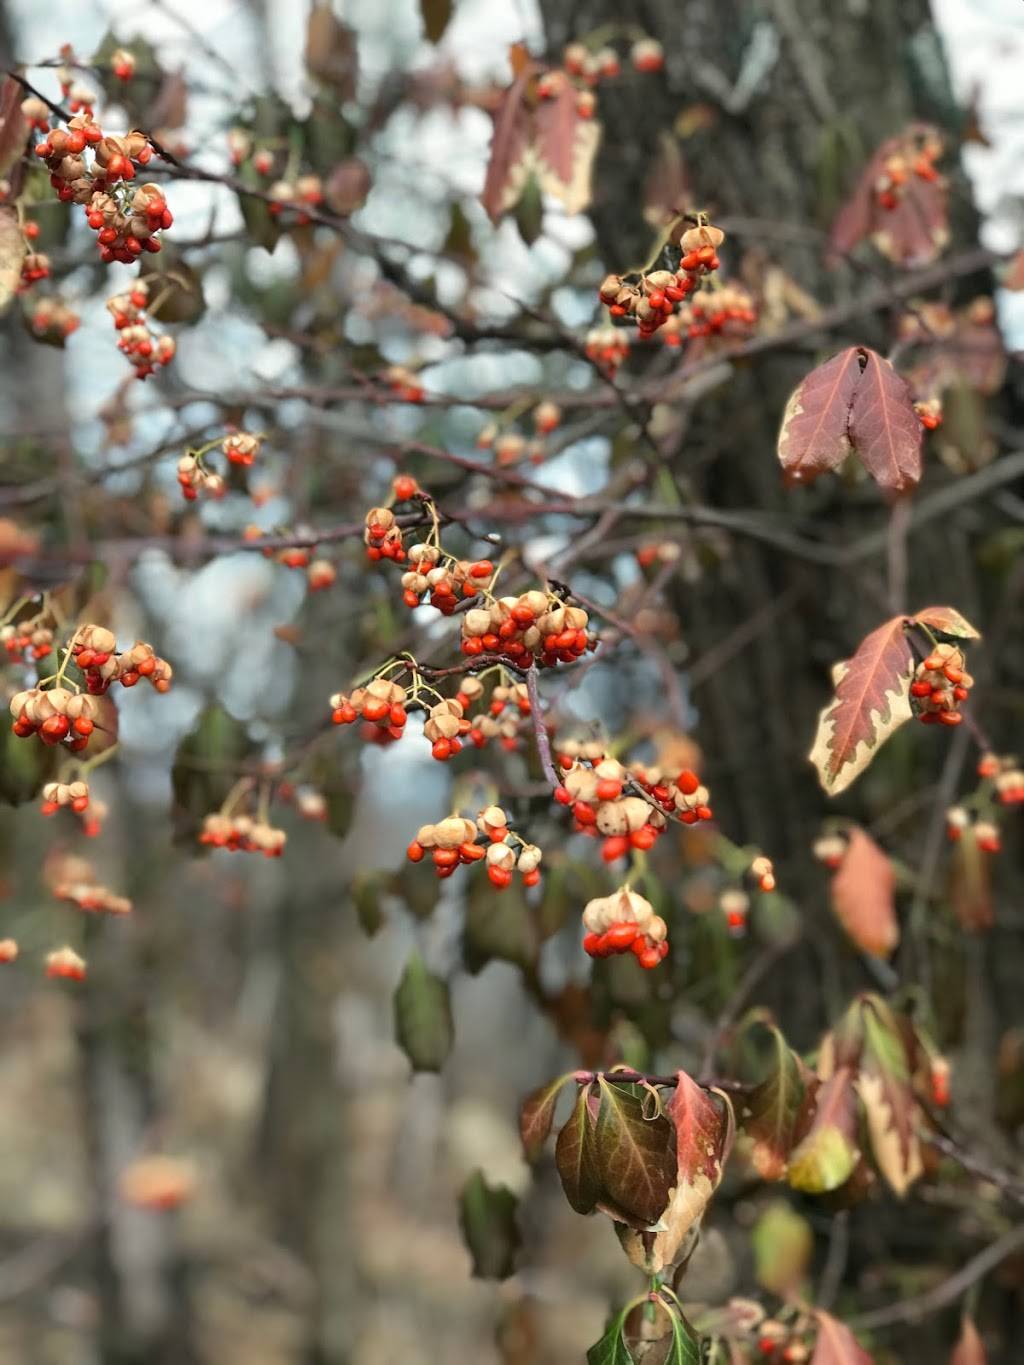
871	702
854	220
863	896
917	229
509	147
814	436
836	1344
969	1350
947	621
555	122
884	428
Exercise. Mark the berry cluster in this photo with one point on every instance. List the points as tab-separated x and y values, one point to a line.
35	266
382	704
194	478
653	298
65	963
94	651
241	448
93	897
26	641
158	1183
729	311
382	537
126	221
75	795
57	716
830	849
929	413
242	834
52	320
625	923
596	789
735	906
607	348
135	340
940	684
645	55
296	198
441	580
1007	775
533	626
453	841
986	834
504	717
404	384
918	159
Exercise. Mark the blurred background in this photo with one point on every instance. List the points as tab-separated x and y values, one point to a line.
240	1020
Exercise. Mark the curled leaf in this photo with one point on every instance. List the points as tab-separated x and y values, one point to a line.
537	1114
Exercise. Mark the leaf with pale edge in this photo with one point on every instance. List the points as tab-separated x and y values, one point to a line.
884	427
636	1157
814	435
12	253
576	1155
826	1156
705	1127
947	621
836	1344
423	1016
536	1115
857	404
871	702
612	1348
487	1216
510	161
769	1115
863	896
885	1090
969	1349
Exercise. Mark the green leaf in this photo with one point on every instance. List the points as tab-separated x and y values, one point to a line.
529	212
498	925
206	767
685	1348
487	1216
536	1115
576	1155
612	1348
827	1155
436	16
770	1113
423	1016
636	1154
367	889
176	291
25	765
783	1244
